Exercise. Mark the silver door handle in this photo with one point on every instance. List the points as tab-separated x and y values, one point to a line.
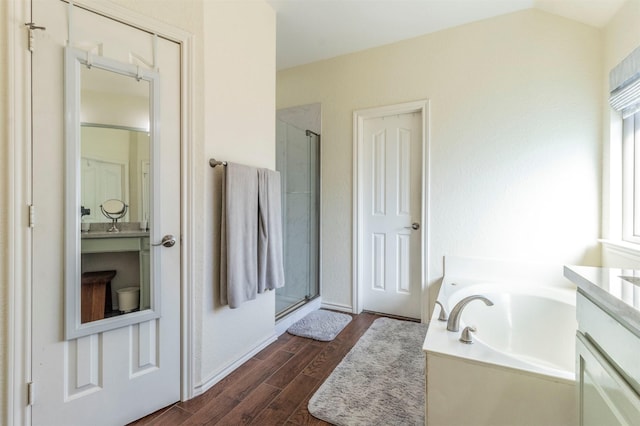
167	241
415	226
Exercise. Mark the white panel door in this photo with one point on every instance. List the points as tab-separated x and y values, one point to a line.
101	181
120	375
392	205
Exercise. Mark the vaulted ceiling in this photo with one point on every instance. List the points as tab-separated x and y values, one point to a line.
311	30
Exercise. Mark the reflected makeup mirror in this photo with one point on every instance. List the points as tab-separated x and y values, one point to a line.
111	116
113	209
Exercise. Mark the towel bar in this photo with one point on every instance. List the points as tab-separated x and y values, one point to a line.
213	162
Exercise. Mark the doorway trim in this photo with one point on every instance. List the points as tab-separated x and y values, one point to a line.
359	117
17	365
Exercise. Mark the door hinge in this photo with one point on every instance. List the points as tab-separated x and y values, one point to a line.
30	393
32	216
31	27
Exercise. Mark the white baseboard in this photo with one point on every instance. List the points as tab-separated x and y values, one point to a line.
284	323
281	327
338	307
209	382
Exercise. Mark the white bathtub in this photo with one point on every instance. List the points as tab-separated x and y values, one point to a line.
520	368
529	328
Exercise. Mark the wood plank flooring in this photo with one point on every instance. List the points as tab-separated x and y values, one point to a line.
272	388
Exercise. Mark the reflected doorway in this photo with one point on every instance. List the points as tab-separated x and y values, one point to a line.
298	161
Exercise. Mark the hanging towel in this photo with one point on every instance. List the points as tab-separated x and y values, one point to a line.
270	264
239	235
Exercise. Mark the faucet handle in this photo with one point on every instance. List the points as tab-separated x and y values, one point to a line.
465	336
443	313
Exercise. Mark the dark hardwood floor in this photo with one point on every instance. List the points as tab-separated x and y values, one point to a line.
272	388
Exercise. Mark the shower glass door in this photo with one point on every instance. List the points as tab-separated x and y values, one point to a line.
298	161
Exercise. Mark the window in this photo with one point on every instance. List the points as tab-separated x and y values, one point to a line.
631	178
624	81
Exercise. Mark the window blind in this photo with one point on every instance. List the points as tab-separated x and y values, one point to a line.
624	82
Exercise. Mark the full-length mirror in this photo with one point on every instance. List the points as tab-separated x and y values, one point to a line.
110	109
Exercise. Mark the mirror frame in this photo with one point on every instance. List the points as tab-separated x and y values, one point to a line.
75	59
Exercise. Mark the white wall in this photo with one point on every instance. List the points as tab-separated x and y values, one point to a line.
515	139
240	127
621	35
106	108
234	108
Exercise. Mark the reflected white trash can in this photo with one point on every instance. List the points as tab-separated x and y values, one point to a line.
128	299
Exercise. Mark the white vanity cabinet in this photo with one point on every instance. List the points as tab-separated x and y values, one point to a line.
607	346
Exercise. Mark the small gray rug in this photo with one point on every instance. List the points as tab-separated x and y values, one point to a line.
320	325
381	381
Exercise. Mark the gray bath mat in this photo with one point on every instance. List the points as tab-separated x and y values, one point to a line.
381	381
320	325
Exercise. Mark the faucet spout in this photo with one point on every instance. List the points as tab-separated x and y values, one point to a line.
454	317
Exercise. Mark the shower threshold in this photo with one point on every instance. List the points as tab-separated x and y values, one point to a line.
295	307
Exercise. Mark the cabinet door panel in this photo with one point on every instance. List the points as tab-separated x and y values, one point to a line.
608	332
605	397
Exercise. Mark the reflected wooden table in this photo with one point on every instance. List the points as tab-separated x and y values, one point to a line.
95	296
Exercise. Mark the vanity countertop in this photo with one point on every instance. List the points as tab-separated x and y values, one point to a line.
121	234
616	291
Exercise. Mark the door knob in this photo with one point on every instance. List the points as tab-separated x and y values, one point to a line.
167	241
415	226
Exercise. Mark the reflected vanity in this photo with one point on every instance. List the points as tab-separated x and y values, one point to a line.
110	263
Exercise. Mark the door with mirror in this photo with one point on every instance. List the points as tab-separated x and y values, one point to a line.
108	192
106	186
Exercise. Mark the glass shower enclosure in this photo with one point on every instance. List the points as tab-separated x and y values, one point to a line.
298	161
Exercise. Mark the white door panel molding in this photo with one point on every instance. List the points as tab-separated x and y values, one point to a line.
391	220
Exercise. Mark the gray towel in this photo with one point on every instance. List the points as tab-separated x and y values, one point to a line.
270	264
239	235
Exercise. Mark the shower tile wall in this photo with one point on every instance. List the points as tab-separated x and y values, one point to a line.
297	258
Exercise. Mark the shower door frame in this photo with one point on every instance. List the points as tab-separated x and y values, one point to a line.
318	199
